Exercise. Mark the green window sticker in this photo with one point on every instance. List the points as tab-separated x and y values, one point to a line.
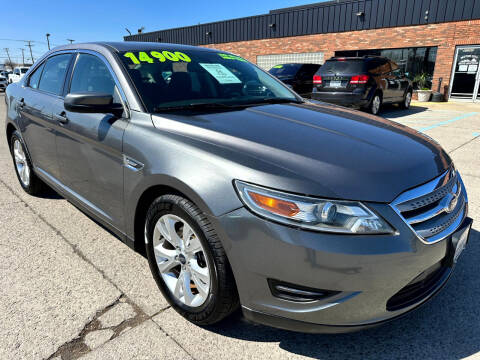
221	73
278	66
231	57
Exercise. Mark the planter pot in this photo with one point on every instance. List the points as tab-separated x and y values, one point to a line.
424	95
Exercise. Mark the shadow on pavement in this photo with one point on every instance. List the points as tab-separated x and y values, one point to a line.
391	111
448	326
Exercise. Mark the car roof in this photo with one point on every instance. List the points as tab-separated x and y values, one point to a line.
367	58
131	46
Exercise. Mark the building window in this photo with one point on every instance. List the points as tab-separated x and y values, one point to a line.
266	62
412	61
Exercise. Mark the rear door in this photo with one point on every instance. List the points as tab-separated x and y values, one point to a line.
42	94
89	146
401	81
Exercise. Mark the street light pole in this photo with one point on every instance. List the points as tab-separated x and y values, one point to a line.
48	40
71	41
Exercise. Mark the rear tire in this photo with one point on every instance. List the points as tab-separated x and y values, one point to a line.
375	104
188	262
407	99
23	166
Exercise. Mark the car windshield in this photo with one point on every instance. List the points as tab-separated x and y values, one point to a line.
168	79
343	67
23	70
285	70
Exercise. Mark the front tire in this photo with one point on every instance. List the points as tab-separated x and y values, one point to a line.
407	99
188	261
23	166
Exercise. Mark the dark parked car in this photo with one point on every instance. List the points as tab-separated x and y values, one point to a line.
362	82
311	217
298	77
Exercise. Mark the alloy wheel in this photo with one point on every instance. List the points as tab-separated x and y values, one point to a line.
23	169
181	260
408	99
376	104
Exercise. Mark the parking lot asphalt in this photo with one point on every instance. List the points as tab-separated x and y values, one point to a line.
69	289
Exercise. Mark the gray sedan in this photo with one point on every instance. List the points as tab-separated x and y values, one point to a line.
307	216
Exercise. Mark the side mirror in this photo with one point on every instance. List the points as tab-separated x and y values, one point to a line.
92	103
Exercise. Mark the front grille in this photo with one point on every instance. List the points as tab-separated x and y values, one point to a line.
434	210
419	288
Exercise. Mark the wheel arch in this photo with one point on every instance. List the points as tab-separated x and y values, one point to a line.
157	185
10	129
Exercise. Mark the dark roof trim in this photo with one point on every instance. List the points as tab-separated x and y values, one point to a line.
319	18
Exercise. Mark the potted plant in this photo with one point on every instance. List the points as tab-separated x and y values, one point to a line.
423	92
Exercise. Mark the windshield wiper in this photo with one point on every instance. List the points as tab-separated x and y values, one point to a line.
275	101
202	106
195	106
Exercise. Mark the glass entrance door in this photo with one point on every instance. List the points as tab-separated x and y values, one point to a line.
466	74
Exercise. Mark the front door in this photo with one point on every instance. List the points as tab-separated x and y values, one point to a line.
89	145
466	74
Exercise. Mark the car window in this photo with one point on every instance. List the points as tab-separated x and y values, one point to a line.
91	75
53	75
16	72
35	77
24	70
348	67
378	66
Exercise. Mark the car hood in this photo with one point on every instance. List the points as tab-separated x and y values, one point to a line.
315	149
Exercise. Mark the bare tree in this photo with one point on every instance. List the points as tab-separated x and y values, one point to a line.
10	64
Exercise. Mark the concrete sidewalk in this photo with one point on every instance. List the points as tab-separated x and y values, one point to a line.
70	289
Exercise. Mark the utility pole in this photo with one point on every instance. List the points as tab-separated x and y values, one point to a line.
23	56
48	40
10	60
30	47
71	41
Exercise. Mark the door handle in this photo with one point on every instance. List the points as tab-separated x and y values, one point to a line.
61	118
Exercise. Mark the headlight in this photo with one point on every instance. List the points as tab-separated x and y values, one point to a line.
350	217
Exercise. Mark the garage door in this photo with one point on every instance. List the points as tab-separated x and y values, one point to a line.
266	62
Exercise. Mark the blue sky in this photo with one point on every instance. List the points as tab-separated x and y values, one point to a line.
89	20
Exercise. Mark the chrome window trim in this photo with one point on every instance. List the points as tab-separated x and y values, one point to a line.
425	189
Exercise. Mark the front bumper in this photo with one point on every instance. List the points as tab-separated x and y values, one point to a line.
366	271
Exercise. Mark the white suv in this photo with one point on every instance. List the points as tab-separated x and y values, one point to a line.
18	73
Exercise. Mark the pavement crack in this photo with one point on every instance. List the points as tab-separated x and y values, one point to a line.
78	346
466	143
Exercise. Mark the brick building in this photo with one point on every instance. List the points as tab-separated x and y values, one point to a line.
438	37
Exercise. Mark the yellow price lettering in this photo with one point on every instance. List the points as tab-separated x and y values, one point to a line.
143	56
183	56
132	57
170	56
158	56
